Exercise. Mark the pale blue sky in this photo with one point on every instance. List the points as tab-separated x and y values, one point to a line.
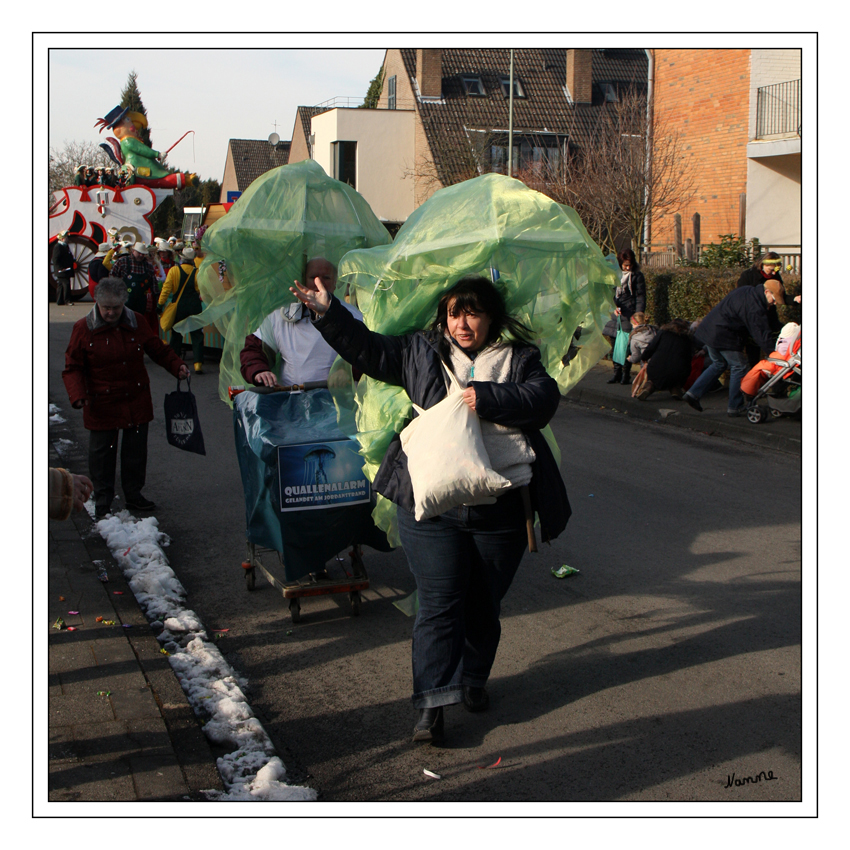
219	93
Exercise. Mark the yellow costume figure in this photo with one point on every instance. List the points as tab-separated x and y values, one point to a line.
184	277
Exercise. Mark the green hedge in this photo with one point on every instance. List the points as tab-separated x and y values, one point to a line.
690	293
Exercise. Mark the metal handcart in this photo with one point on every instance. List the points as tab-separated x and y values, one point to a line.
306	498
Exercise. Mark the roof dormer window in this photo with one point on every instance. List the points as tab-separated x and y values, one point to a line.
505	82
472	85
609	92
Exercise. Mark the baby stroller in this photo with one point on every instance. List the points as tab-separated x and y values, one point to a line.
782	393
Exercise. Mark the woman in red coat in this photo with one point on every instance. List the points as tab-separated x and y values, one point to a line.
105	375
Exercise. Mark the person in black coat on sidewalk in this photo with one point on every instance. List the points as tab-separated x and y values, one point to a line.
723	332
629	298
767	267
63	268
668	359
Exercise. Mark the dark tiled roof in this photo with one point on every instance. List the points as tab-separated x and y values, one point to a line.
305	115
545	107
253	157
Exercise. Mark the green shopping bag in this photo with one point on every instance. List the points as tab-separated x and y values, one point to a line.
621	344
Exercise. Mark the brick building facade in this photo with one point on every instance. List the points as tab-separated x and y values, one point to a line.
705	96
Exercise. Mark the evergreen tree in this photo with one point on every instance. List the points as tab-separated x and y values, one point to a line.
167	219
132	98
374	92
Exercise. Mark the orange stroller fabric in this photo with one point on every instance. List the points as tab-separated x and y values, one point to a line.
765	369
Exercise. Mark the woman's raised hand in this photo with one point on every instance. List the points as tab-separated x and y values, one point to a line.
318	299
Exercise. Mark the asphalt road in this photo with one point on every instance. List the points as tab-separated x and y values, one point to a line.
668	669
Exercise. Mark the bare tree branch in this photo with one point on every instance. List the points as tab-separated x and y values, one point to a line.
628	169
63	162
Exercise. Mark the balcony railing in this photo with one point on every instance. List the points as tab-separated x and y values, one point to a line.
778	109
340	103
357	102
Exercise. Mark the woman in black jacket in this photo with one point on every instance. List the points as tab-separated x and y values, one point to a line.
629	298
464	559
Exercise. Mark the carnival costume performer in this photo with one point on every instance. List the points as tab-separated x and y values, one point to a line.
463	560
289	333
182	282
137	271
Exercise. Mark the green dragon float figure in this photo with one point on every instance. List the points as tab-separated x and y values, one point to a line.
138	162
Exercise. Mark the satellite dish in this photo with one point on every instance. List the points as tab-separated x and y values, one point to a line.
274	139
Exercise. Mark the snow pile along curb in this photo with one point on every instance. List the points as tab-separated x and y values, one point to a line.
252	771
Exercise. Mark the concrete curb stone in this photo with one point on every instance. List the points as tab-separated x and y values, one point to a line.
783	434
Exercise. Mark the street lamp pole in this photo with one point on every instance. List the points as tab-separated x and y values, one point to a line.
511	118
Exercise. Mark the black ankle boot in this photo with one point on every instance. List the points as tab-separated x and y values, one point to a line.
627	374
618	373
429	727
475	699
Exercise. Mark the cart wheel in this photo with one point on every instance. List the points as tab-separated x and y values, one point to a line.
295	610
354	596
250	579
755	414
357	561
775	414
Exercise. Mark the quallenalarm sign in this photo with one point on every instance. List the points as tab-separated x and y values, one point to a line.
321	475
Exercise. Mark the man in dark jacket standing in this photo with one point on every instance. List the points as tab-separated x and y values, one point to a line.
98	271
105	375
724	331
63	268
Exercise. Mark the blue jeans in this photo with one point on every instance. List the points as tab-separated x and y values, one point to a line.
737	364
464	562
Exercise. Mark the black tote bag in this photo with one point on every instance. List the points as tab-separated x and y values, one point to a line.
182	426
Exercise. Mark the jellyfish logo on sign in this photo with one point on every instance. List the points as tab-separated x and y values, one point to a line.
314	464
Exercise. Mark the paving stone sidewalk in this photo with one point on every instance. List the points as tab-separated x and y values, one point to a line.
120	727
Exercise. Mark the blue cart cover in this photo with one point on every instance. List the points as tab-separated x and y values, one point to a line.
306	539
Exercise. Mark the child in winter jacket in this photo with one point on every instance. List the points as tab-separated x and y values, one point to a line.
641	335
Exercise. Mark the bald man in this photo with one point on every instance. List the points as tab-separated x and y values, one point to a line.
304	355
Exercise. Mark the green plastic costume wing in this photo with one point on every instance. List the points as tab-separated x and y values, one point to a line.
286	217
553	277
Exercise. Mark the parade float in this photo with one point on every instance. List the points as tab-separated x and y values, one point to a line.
121	197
